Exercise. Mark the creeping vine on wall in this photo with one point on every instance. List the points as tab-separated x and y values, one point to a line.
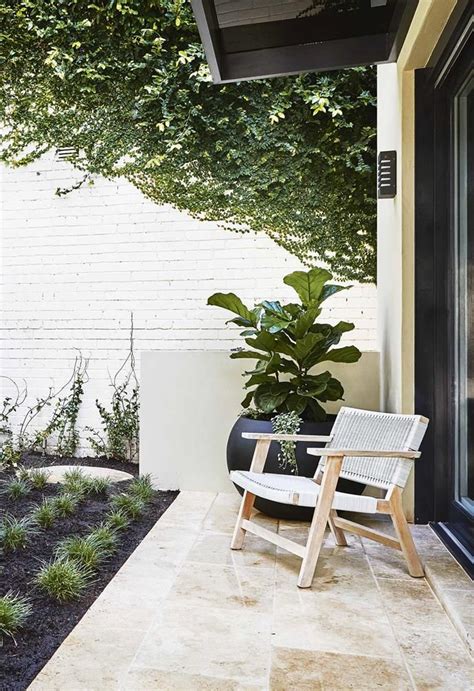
120	425
127	84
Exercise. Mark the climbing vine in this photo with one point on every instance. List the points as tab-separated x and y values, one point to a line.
119	436
126	83
62	427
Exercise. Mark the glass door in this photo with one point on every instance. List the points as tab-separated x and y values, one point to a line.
464	324
444	292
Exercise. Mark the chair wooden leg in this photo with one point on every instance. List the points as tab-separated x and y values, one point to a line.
244	512
338	533
246	506
415	567
319	522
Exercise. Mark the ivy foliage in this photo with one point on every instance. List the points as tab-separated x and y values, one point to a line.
126	82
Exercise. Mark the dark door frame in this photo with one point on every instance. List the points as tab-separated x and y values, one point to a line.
434	284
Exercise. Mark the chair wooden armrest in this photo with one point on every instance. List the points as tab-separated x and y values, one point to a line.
361	453
285	437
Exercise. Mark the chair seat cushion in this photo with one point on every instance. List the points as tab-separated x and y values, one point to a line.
300	491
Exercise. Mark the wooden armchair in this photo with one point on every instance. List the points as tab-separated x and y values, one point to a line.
376	449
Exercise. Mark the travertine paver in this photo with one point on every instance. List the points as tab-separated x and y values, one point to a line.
185	612
57	472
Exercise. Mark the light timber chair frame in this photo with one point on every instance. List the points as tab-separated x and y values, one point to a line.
384	460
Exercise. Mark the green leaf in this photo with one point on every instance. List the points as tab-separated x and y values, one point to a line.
245	354
231	302
330	290
334	391
306	321
289	367
343	327
268	397
345	354
274	317
257	379
296	403
264	341
247	400
308	284
304	346
273	364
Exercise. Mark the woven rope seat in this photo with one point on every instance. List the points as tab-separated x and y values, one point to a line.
301	491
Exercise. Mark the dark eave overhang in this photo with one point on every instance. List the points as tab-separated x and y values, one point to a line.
275	48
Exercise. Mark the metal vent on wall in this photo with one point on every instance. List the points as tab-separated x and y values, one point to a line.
387	175
64	153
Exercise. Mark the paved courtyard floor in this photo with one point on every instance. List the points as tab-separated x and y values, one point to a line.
185	612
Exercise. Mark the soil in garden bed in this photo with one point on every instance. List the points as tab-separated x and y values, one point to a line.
37	460
50	622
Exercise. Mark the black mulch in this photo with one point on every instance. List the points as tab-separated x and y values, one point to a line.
51	622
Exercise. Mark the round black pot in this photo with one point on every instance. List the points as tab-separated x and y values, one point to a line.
240	452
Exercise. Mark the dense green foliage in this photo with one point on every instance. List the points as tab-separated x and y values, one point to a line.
287	342
126	82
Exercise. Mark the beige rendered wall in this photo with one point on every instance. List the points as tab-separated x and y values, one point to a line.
191	399
395	225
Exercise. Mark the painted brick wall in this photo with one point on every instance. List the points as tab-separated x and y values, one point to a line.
74	267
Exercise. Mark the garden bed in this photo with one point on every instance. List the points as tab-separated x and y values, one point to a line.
51	621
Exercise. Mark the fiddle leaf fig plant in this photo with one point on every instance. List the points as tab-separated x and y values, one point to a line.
287	342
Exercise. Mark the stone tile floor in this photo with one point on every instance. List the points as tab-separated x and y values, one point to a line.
185	612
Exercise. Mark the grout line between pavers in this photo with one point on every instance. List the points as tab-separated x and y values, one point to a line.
389	618
178	571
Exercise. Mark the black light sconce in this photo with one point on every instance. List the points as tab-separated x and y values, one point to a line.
387	175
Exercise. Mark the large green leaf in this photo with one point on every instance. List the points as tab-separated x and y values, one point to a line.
330	290
272	343
273	364
304	346
247	400
296	403
261	378
274	317
334	391
263	341
245	354
314	385
231	302
343	327
345	354
289	367
268	397
308	284
305	321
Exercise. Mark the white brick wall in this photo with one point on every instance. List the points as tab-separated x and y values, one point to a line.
74	267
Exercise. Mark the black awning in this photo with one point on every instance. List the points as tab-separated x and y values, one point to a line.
248	39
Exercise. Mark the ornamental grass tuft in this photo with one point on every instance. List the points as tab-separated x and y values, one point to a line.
105	537
117	520
39	478
63	579
14	611
66	504
141	488
16	532
99	485
86	551
133	507
16	488
44	514
75	482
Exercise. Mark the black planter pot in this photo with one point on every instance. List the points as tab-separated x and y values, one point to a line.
240	452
